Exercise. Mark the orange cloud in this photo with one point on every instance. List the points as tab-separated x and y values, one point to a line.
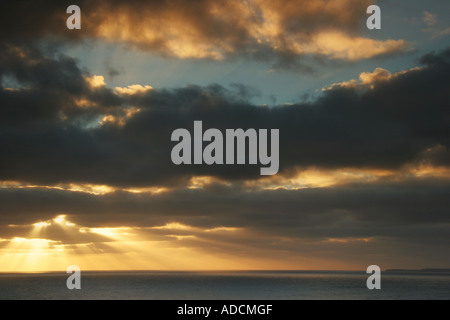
348	240
217	30
133	89
369	79
339	45
96	81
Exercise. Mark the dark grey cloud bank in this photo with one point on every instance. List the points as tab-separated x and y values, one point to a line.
337	209
403	220
46	137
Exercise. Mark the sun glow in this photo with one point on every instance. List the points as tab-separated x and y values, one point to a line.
114	233
54	244
41	224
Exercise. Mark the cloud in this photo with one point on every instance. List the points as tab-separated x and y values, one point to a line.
133	89
434	26
96	81
386	219
369	79
400	203
429	18
282	32
338	45
58	128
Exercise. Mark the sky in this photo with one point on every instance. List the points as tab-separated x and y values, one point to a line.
86	118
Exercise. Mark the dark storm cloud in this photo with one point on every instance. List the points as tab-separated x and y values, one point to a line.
52	83
50	133
411	210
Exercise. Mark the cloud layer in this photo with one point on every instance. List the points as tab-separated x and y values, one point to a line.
282	32
57	127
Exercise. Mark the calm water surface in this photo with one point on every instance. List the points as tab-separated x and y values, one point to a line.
269	285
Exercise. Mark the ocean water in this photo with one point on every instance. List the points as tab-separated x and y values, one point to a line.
254	285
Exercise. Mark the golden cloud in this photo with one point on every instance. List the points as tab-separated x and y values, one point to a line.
96	81
133	89
216	30
369	79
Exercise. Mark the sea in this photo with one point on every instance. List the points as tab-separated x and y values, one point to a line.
230	285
